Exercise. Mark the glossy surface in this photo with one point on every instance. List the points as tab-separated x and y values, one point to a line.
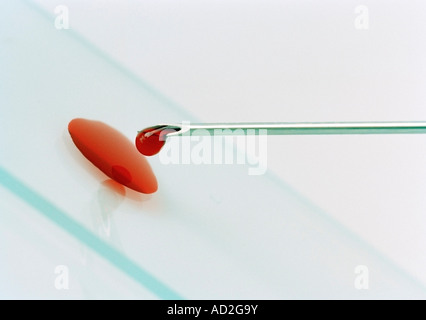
150	140
114	154
211	231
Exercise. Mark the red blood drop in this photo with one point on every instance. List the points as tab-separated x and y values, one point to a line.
113	153
149	141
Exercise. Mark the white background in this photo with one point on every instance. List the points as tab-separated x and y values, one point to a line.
232	61
235	61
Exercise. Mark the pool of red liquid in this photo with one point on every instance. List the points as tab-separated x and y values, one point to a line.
113	153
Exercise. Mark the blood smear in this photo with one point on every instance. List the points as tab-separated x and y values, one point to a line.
114	154
149	141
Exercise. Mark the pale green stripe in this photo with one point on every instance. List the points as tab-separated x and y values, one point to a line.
85	236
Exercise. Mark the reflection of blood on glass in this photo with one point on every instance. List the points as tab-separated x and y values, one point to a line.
109	197
114	154
149	141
